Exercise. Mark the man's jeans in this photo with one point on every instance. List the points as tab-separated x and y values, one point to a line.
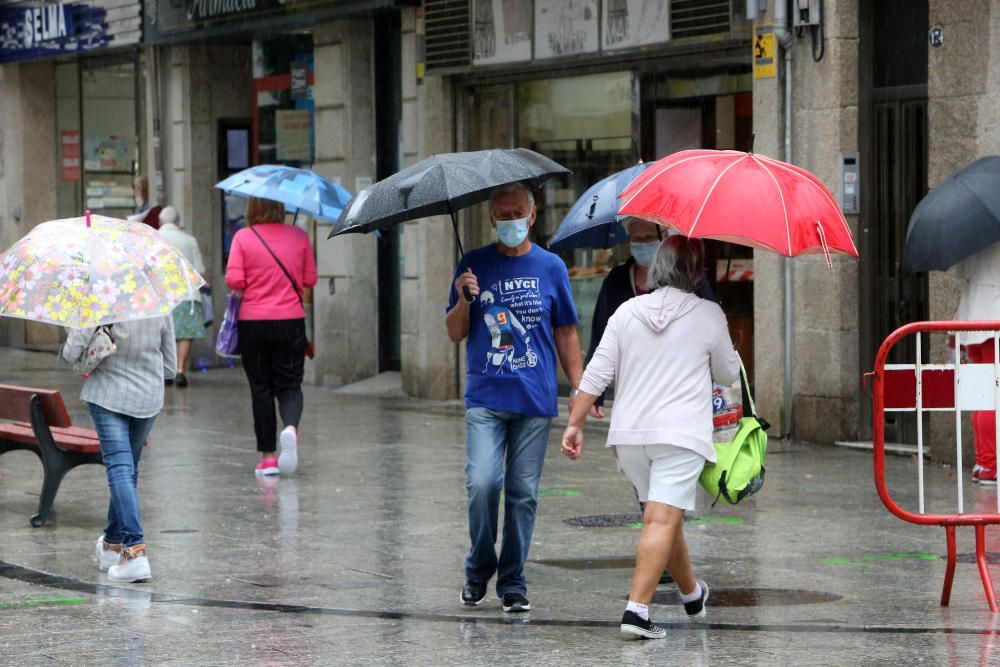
122	438
505	452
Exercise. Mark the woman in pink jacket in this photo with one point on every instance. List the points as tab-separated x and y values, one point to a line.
662	350
271	263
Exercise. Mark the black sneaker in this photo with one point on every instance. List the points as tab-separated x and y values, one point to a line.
635	626
473	593
181	380
514	603
696	608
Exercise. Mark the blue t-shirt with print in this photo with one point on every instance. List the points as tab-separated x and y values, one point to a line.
511	353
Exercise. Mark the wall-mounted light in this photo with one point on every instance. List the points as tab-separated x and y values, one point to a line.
809	15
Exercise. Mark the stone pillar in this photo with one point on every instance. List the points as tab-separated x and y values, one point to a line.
827	371
345	304
769	286
825	332
28	168
428	357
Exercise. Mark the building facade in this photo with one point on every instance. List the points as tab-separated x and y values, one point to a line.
879	99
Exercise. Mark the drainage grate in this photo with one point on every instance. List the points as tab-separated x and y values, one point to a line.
992	557
752	597
612	563
604	520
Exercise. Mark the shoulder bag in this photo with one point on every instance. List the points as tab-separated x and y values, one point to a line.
738	471
101	346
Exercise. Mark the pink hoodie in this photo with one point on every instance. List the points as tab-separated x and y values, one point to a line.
267	293
662	350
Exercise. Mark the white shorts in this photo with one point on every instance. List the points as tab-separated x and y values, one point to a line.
662	473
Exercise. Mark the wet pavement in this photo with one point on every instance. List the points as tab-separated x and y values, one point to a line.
357	559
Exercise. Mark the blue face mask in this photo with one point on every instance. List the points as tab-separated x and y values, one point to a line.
644	252
512	232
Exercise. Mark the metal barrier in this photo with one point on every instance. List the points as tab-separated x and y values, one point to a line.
920	388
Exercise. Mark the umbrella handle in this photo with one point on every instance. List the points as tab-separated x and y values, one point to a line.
466	292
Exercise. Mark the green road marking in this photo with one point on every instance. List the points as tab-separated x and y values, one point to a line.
873	558
558	492
728	520
36	602
702	521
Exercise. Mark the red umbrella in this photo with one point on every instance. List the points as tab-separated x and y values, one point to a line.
740	198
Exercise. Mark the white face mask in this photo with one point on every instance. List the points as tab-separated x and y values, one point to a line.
644	252
512	232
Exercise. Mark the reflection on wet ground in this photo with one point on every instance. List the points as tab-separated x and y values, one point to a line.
358	558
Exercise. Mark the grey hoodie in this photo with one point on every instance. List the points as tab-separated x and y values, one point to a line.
663	350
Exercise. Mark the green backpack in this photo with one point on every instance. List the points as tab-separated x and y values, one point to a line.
739	468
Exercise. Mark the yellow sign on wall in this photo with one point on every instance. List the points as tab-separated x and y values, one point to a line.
765	51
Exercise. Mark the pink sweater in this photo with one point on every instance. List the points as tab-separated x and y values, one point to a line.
267	294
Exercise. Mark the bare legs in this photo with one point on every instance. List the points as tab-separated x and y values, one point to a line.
661	545
183	353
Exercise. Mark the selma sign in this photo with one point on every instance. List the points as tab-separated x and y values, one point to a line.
44	24
30	32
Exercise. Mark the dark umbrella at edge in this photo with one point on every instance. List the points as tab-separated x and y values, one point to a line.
955	220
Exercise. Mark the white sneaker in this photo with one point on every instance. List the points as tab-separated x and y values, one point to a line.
133	567
107	555
288	460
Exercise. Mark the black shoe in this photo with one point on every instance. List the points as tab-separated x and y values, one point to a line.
635	626
473	593
515	603
181	380
696	608
168	381
665	578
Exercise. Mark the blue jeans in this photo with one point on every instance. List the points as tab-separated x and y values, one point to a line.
122	438
505	452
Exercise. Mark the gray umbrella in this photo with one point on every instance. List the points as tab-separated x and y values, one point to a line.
957	219
442	184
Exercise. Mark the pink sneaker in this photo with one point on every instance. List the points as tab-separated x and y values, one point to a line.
268	466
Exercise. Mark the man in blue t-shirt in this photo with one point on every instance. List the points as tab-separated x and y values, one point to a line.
519	319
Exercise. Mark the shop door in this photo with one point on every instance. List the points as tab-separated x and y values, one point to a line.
894	150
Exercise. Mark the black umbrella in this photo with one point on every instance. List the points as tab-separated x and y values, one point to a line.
442	184
957	219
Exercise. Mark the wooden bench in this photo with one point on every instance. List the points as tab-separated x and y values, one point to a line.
39	422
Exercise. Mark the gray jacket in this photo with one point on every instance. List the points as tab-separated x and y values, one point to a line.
130	381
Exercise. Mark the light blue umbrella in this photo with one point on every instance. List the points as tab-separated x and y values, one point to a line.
300	190
593	221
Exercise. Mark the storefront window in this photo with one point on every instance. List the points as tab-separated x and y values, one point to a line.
99	121
284	111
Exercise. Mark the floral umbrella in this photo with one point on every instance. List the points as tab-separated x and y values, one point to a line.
84	272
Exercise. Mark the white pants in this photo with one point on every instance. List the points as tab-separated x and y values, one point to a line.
662	473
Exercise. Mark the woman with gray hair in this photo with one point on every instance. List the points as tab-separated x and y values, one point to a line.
663	350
